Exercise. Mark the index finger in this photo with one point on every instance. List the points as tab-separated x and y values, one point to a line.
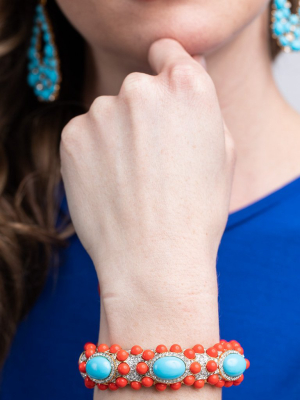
165	53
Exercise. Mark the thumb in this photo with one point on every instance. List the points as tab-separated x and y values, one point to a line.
165	53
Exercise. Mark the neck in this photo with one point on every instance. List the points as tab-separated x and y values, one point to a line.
254	111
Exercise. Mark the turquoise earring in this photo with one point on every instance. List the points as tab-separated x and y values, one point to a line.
286	25
44	74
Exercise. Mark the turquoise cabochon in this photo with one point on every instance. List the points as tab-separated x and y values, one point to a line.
98	367
169	367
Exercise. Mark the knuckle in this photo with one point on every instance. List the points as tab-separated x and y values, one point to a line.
135	85
70	135
190	78
101	106
183	75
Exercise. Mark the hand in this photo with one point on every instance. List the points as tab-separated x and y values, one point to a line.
148	174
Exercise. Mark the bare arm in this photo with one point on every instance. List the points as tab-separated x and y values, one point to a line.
148	179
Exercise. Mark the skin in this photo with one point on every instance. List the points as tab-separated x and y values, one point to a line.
148	170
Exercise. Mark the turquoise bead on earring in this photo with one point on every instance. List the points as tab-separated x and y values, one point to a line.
43	67
286	25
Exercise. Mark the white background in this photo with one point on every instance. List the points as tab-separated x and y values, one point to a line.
287	74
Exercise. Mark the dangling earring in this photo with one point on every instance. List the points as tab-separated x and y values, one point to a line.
44	74
286	25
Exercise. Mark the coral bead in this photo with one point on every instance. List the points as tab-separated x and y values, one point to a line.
228	384
147	382
212	352
136	385
198	348
121	382
223	342
247	363
175	386
160	387
189	380
89	383
211	366
89	352
240	350
236	383
161	348
234	342
227	346
189	353
89	346
213	379
220	384
123	368
195	367
122	355
239	380
112	386
175	348
82	366
115	348
102	387
218	347
102	348
199	384
142	368
148	354
135	350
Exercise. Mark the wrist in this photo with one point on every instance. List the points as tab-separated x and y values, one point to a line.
164	313
148	263
159	292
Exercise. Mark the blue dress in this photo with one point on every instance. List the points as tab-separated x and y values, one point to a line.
259	291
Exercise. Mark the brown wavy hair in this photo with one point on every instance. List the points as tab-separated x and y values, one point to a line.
30	183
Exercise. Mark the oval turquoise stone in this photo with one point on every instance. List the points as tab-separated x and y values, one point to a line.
234	365
98	367
169	367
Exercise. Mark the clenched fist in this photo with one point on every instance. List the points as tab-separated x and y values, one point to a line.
148	174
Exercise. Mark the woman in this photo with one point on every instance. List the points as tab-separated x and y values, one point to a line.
150	180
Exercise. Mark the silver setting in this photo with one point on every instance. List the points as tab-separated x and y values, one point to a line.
203	358
82	358
132	361
221	369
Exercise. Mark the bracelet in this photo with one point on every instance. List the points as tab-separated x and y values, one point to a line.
112	367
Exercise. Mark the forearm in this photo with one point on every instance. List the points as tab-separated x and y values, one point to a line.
148	186
178	304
